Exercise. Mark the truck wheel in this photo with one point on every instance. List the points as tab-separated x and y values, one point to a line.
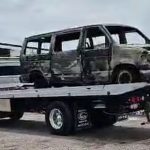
126	76
16	115
101	119
59	118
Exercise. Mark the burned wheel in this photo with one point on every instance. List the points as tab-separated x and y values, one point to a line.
38	79
40	82
127	76
59	118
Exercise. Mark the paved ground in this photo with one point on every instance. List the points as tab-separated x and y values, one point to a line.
31	133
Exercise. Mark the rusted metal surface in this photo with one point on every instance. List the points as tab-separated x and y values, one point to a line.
98	58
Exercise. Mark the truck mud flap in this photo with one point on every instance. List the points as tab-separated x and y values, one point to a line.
82	118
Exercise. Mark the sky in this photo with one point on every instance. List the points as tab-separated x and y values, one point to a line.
23	18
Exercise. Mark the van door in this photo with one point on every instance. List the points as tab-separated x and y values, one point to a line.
36	55
95	55
66	64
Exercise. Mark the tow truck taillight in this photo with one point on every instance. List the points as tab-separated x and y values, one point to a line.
136	99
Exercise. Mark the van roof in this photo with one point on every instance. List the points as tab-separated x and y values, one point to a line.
74	29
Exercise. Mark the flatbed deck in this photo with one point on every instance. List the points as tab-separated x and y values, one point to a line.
27	91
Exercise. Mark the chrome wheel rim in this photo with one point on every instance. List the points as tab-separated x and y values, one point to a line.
56	118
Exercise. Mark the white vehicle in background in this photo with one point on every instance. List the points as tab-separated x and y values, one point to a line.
10	69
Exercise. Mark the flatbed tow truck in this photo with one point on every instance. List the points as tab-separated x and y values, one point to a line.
69	109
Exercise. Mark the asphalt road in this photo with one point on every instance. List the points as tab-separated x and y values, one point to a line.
30	133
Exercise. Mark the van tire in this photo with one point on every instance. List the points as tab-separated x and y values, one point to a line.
38	79
40	83
126	75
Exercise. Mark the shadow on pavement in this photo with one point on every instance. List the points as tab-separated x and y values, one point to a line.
113	134
118	134
24	126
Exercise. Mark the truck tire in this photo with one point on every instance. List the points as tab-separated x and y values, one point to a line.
16	115
100	119
127	75
59	118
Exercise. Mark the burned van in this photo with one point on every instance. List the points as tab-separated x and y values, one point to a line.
95	54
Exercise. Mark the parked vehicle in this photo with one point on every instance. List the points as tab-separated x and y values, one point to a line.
10	69
89	55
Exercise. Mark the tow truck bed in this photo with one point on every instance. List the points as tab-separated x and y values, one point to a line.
73	108
27	91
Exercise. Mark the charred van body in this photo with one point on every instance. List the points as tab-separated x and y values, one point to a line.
94	54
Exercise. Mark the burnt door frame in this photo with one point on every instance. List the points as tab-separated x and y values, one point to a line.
83	50
53	52
36	60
